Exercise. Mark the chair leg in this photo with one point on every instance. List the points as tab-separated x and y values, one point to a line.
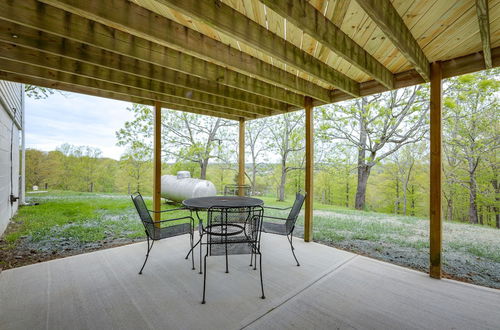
147	255
227	267
293	249
204	275
192	248
261	281
201	237
255	261
251	259
192	255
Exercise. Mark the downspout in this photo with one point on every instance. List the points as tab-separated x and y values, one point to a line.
22	191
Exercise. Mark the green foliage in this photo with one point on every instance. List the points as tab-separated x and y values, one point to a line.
186	137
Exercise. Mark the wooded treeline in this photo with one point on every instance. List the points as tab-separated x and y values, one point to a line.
370	153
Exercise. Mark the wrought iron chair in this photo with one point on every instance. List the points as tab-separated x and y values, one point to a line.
155	231
234	189
232	231
287	227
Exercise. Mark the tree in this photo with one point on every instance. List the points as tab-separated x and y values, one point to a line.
185	136
135	163
471	106
405	161
37	92
254	132
286	138
377	126
37	171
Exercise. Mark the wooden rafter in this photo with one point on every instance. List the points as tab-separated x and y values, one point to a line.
388	20
228	20
35	57
53	20
313	22
484	30
55	45
158	29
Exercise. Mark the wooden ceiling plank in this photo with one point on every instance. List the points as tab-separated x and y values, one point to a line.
228	20
484	29
56	45
387	18
69	26
53	62
153	27
314	23
50	83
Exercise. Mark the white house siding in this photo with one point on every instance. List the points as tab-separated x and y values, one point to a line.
11	97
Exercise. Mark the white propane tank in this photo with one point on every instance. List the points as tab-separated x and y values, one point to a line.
181	186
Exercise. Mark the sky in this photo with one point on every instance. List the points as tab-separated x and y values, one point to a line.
75	119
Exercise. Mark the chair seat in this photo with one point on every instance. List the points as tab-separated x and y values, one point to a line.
175	230
274	228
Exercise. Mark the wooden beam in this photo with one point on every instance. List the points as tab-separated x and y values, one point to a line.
157	164
56	21
241	157
160	30
304	15
86	70
435	172
106	94
226	19
388	20
308	215
33	39
83	82
484	29
450	68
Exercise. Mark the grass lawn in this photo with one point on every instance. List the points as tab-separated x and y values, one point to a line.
67	223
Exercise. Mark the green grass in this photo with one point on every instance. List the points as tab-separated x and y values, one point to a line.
84	217
93	217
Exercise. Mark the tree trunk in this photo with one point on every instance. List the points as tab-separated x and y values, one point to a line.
281	197
397	203
363	174
472	193
203	169
412	200
363	168
449	209
254	176
496	186
347	194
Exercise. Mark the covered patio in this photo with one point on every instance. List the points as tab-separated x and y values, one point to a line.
332	289
243	60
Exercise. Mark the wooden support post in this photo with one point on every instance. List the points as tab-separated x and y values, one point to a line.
435	172
241	158
308	216
157	163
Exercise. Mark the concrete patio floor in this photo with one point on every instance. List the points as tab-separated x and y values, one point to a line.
331	289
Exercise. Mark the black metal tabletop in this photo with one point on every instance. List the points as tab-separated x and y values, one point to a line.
204	203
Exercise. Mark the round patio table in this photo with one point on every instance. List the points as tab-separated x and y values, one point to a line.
204	203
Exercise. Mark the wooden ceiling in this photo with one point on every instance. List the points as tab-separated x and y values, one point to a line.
242	58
